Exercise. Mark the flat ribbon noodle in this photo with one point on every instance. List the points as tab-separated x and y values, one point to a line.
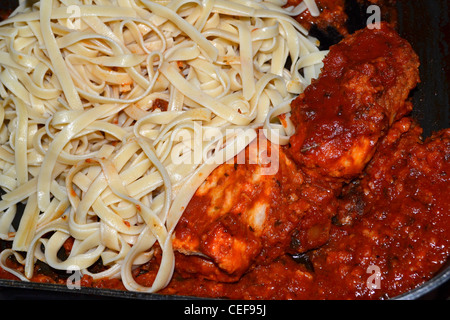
114	112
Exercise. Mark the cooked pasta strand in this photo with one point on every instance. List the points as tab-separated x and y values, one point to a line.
114	112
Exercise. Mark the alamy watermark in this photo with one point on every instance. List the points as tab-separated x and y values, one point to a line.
374	20
240	145
225	146
74	20
374	280
73	282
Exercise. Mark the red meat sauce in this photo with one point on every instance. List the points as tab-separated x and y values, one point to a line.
394	218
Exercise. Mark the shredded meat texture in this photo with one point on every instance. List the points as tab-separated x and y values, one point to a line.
239	218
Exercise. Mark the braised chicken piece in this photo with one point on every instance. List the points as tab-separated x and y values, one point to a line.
341	117
241	214
220	230
393	220
405	167
240	218
361	91
245	214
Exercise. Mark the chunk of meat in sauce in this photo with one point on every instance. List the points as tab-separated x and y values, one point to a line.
362	90
240	218
402	225
394	220
241	214
342	116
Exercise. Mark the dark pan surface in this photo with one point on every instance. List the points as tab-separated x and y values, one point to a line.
425	24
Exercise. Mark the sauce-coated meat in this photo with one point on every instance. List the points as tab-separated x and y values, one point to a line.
395	220
239	218
358	191
391	233
361	91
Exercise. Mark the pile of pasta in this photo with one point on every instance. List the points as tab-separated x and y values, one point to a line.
101	106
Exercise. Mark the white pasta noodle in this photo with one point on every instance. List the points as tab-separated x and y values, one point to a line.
113	112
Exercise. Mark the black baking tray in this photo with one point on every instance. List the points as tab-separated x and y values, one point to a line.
425	24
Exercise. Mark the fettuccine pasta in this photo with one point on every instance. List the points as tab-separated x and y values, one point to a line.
100	110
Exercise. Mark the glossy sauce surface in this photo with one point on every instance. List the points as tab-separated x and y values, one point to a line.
394	219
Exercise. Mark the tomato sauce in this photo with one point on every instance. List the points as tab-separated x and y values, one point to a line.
390	232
